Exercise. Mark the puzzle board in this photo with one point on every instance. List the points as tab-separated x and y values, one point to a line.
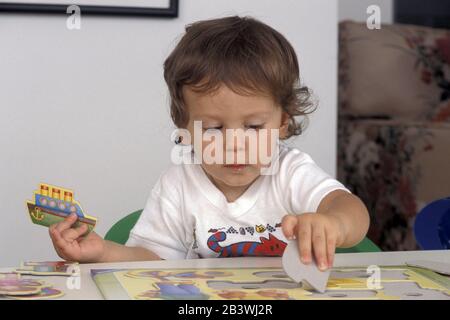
267	283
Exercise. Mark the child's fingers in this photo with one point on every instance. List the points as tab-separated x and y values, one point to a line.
81	230
67	222
331	248
72	234
304	242
55	235
288	225
52	232
319	246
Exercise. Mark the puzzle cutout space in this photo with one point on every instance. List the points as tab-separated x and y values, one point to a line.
267	283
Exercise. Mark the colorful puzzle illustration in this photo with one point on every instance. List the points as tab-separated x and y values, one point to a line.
13	286
48	268
268	283
53	204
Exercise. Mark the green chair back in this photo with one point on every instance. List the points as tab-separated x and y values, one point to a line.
366	245
120	232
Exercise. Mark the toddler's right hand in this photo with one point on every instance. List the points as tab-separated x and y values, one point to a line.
71	244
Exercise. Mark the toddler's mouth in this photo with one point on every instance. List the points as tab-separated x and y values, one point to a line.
236	167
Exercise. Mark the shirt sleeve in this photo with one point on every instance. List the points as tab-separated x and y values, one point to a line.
304	184
160	228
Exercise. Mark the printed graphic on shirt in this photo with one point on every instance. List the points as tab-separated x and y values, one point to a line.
247	230
271	247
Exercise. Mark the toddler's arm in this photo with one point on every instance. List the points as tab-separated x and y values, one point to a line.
341	220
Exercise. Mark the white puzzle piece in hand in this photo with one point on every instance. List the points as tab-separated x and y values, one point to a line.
308	274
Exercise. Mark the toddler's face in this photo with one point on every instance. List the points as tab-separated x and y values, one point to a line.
224	110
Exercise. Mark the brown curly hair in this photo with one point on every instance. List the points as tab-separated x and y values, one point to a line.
247	56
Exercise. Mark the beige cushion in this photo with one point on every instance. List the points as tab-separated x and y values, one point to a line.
381	73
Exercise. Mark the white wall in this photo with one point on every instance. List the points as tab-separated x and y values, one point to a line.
356	9
88	109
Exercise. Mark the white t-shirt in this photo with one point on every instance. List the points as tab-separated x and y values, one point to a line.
187	217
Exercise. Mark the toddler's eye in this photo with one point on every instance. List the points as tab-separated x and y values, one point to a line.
213	128
255	127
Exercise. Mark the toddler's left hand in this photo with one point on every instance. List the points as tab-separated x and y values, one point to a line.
316	233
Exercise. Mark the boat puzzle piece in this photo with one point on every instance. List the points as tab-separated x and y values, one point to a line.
53	204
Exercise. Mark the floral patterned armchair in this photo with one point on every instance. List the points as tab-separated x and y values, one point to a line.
394	124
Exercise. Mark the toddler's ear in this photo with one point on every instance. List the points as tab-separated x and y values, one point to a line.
181	136
284	128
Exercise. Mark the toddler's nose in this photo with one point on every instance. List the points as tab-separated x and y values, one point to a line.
235	146
234	140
